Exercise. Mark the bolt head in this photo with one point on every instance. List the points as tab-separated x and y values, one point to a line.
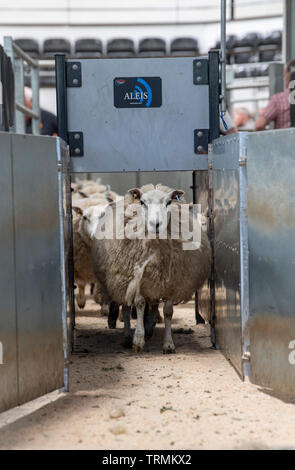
199	133
75	81
77	136
200	148
77	151
75	67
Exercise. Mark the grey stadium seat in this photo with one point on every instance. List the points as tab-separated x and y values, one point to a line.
152	47
88	48
249	40
120	47
56	45
273	38
30	46
184	47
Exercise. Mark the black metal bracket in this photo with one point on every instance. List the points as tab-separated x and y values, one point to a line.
75	141
201	140
200	72
73	74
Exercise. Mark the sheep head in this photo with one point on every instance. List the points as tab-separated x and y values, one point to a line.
156	207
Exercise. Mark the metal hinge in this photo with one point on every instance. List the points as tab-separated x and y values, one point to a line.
75	141
73	74
201	140
201	72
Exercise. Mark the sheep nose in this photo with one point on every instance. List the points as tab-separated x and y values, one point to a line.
155	225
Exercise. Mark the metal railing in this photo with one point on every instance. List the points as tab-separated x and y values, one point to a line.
18	57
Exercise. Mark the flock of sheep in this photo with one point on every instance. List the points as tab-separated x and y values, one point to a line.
137	273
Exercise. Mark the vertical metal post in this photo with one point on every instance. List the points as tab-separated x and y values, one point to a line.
62	129
19	94
61	96
35	103
223	56
9	52
62	168
212	241
213	95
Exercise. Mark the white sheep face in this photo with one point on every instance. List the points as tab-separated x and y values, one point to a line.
156	208
92	217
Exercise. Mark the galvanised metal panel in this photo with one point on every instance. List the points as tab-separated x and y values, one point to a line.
271	219
230	247
8	347
201	197
37	263
146	139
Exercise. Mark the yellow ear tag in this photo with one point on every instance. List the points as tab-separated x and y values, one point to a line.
132	200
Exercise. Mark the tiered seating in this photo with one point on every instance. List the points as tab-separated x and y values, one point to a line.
252	48
30	46
88	48
54	46
184	47
152	47
120	48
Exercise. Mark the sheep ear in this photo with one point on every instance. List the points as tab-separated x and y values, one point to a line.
135	193
108	195
78	210
176	194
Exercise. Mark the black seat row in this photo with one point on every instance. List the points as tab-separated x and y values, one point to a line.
253	47
120	47
253	40
257	71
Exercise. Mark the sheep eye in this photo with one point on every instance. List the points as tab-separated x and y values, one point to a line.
169	202
142	203
85	217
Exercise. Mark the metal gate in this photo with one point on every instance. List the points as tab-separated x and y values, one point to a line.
254	223
32	280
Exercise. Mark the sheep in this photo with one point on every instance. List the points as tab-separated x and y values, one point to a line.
83	228
83	272
140	271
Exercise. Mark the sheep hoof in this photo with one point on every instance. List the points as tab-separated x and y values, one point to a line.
168	348
137	349
127	342
112	324
81	303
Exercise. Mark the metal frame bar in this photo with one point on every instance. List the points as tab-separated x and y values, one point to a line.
244	257
213	95
223	56
18	57
62	129
63	169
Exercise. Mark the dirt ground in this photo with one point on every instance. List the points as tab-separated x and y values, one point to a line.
119	400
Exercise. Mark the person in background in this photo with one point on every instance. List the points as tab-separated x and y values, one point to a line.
243	119
48	121
278	108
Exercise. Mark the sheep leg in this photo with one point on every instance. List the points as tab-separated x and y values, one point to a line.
168	346
138	338
104	310
81	299
113	315
150	320
96	293
127	329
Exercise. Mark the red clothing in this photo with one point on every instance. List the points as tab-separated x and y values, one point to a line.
278	110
